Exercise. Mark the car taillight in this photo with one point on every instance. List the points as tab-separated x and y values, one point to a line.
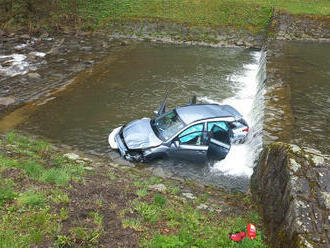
246	129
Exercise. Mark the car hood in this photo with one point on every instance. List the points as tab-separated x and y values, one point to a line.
138	134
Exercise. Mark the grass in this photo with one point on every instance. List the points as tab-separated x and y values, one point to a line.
250	15
35	207
181	225
21	229
31	199
199	12
27	205
7	194
164	220
39	161
314	7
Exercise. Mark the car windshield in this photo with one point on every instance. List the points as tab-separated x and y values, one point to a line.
168	124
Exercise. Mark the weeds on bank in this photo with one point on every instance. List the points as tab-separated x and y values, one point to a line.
32	176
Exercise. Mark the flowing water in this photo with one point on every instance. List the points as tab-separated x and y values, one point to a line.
131	83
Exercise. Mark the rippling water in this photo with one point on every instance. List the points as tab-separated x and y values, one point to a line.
131	83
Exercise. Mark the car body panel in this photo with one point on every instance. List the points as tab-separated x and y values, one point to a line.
139	134
192	113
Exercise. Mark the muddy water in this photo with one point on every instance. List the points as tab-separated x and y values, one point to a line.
130	84
305	67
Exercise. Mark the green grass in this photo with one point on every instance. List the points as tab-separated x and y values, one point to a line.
189	227
245	15
252	15
57	196
7	194
192	12
313	7
35	173
167	222
85	237
21	229
39	161
32	199
35	203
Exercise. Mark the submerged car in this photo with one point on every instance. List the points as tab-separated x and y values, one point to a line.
192	132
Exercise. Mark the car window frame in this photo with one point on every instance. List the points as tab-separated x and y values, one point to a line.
227	119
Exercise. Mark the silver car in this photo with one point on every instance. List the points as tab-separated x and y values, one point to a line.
196	132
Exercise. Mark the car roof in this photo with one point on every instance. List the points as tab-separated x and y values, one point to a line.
196	112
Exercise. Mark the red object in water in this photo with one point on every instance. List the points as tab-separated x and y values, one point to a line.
251	231
237	237
246	129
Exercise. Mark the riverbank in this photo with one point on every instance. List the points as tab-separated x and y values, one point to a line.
77	200
216	23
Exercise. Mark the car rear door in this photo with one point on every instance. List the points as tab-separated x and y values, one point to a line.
219	140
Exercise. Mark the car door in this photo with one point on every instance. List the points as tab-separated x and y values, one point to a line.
191	144
219	140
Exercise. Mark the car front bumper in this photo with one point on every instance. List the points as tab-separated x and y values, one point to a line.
112	138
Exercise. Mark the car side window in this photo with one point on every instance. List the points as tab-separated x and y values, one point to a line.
192	135
220	124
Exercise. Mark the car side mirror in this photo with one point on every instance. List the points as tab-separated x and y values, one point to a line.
176	143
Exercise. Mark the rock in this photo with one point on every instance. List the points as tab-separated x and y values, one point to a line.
189	196
7	63
72	156
160	172
34	75
25	36
7	100
202	207
88	168
124	43
44	35
292	188
179	179
158	187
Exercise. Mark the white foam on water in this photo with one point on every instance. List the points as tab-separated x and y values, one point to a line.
241	157
17	64
38	54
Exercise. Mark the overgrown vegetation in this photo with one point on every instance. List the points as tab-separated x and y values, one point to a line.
252	15
108	205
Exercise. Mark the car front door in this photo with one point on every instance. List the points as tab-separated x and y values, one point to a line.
219	140
191	144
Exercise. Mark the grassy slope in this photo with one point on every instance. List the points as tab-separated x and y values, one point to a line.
250	15
48	200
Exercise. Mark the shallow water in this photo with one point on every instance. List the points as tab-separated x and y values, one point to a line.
131	83
306	68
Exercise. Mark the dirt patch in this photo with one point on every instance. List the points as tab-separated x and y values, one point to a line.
97	193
